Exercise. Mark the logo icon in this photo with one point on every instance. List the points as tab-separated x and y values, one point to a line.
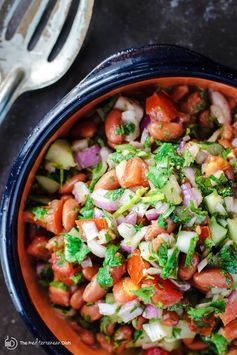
10	343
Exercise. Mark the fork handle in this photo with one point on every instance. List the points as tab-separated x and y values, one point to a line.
7	90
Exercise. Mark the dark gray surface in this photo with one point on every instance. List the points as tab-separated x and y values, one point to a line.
207	26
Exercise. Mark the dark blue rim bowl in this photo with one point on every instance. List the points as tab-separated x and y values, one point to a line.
127	67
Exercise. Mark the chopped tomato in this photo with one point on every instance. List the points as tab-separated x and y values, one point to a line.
156	351
206	328
63	270
122	290
160	107
135	266
99	222
165	292
135	173
59	296
205	232
37	248
231	309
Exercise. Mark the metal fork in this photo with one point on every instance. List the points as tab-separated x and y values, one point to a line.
22	69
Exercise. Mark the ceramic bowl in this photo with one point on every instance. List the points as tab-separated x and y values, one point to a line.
130	71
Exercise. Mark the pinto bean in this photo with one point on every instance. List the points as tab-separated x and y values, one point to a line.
179	92
170	318
207	279
154	229
93	292
70	212
69	184
84	129
90	313
112	123
122	336
166	131
76	300
104	342
90	271
230	330
108	181
138	322
194	344
38	248
117	272
185	273
59	296
227	132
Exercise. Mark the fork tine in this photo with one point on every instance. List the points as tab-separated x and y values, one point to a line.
53	27
7	10
31	19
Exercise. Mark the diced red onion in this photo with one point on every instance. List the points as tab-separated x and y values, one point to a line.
126	230
190	175
101	201
79	144
152	214
96	248
182	144
107	309
126	197
190	194
161	207
131	218
86	263
88	157
201	157
197	196
90	230
185	286
120	220
214	136
97	213
39	268
80	192
151	312
220	101
202	264
130	310
126	248
145	122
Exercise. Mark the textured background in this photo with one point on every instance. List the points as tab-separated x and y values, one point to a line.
207	26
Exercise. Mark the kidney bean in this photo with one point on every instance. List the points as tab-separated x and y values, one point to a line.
207	279
90	313
69	184
38	248
154	229
170	318
117	272
76	300
166	131
185	273
93	292
230	330
90	271
138	322
122	336
108	181
70	212
230	173
112	124
104	342
84	129
194	344
59	296
179	92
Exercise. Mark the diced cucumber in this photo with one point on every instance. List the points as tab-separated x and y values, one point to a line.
212	147
49	185
232	225
60	154
172	191
215	203
218	233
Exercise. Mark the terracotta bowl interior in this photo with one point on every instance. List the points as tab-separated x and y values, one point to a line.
57	325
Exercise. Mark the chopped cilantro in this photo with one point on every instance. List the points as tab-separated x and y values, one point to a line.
147	143
191	250
111	259
39	213
159	175
197	314
176	331
226	259
171	264
184	215
220	343
114	194
87	211
59	284
163	216
75	249
104	278
125	129
145	293
168	150
136	335
77	277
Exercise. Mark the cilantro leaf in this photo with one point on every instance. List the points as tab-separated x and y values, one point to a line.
39	213
169	150
104	278
111	259
197	314
145	293
220	343
159	175
171	264
125	129
77	277
59	284
75	249
114	194
87	211
191	250
226	259
164	216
